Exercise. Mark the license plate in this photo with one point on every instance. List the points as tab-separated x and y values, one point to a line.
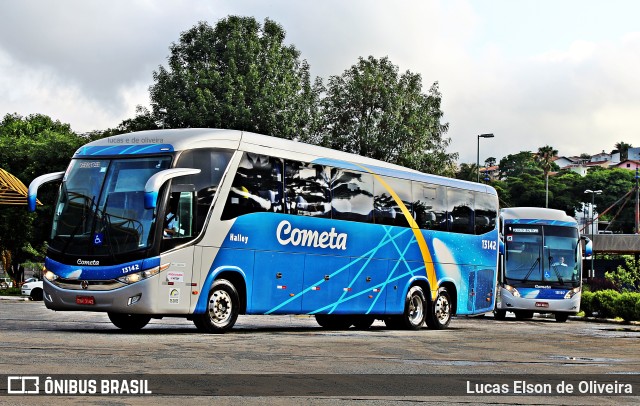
85	300
542	304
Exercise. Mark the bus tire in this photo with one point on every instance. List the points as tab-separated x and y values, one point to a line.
439	314
415	309
333	321
223	307
129	322
562	317
499	314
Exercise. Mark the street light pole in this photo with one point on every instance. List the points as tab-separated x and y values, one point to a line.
489	135
593	196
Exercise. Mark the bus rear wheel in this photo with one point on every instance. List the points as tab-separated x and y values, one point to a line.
415	311
129	322
222	308
439	315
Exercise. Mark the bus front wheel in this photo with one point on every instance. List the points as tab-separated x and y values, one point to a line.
439	315
129	322
222	308
562	317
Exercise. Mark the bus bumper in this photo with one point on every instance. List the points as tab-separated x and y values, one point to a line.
131	299
506	300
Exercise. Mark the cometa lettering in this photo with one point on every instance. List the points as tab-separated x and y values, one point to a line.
310	238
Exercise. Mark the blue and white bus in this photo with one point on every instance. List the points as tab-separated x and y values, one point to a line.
541	263
208	224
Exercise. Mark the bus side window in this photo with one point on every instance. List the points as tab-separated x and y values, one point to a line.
486	209
212	164
430	206
460	209
351	196
257	187
307	189
386	209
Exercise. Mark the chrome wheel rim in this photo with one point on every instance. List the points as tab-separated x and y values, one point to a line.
442	309
416	310
220	307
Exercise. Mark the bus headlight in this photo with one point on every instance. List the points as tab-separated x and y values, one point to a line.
50	276
572	293
512	290
138	276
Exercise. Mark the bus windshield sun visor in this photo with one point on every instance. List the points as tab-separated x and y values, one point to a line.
155	182
35	185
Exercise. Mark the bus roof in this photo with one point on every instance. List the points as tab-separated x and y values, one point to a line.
172	140
536	213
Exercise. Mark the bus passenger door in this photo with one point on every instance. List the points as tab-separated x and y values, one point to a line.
175	283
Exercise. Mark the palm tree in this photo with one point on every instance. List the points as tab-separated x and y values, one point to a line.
623	148
467	171
544	157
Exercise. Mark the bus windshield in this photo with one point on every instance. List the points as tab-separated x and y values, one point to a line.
542	255
100	208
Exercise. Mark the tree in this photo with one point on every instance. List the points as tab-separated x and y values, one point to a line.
239	75
374	111
491	161
514	165
467	172
544	157
31	146
623	148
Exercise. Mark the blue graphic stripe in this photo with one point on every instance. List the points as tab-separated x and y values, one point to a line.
384	242
400	260
366	255
542	222
411	272
98	150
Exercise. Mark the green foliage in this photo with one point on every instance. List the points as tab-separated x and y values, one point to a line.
625	278
374	111
239	75
514	165
628	306
611	304
31	146
467	172
586	303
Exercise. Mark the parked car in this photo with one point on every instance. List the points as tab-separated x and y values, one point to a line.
33	290
6	283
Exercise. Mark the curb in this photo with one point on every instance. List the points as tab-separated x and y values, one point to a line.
16	298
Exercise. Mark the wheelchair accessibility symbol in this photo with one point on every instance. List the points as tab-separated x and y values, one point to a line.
97	239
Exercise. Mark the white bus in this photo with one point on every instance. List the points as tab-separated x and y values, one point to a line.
208	224
541	263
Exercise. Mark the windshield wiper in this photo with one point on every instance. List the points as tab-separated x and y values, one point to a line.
555	270
526	277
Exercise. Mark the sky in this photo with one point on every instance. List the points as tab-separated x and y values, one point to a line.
564	73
